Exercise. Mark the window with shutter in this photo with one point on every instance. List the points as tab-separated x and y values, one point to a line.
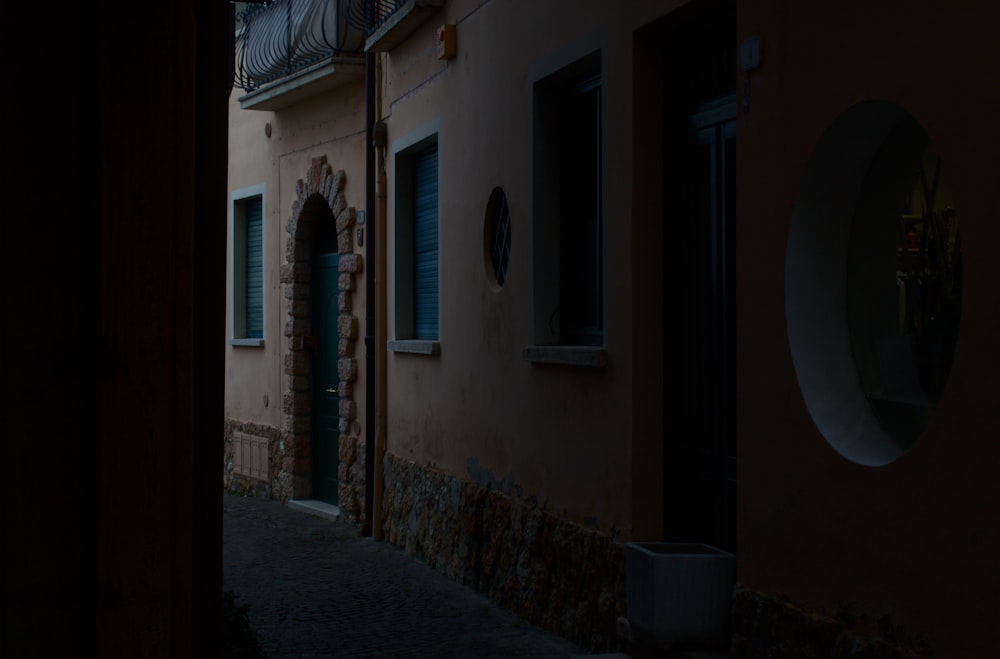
254	269
247	274
416	253
425	244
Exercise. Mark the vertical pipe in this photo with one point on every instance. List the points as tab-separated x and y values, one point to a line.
380	328
371	256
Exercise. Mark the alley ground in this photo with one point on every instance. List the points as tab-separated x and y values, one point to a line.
315	589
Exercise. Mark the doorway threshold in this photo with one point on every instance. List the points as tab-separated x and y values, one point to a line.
316	507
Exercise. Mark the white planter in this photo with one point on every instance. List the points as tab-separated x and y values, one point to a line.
679	593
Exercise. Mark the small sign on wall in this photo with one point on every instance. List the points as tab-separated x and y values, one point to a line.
446	41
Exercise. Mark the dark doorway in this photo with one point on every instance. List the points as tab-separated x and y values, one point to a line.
699	342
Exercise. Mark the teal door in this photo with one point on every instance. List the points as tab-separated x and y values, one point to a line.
326	402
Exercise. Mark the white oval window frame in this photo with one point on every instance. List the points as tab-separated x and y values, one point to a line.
816	283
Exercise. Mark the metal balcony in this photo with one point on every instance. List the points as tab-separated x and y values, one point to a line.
291	49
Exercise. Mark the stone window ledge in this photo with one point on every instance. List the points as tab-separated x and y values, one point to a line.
415	347
247	343
590	356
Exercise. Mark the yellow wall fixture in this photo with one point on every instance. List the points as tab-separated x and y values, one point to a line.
446	41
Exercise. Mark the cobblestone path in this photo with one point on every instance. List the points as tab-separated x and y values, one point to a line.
315	589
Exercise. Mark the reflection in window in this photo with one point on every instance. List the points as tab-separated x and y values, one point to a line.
904	281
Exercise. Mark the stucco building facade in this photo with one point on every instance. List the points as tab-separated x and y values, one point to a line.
294	396
591	261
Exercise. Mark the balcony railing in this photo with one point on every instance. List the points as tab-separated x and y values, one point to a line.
386	23
279	39
377	12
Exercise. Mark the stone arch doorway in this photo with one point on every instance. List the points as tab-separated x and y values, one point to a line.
319	201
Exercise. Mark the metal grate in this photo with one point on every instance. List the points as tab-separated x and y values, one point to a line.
285	36
498	233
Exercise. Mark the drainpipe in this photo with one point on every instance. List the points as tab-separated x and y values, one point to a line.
375	307
381	338
371	255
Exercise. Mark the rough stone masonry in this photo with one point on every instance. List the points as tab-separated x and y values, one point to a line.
555	573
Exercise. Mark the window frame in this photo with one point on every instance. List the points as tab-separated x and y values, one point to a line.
406	151
238	271
551	90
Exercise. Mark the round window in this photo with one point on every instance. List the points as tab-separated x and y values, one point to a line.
496	238
873	282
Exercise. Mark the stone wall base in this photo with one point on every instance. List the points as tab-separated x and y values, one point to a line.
282	484
555	573
351	493
768	627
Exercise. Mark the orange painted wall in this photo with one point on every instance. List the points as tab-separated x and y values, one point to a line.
917	538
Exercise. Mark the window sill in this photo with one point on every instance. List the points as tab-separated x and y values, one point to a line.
589	356
415	347
247	343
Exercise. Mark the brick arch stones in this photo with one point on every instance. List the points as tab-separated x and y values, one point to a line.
321	186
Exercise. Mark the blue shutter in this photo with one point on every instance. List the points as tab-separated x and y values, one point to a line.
255	269
425	244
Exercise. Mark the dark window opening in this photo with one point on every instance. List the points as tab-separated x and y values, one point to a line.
568	206
580	215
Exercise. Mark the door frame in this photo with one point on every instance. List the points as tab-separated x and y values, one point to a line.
318	198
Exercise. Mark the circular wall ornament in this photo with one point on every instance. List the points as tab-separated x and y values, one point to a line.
497	237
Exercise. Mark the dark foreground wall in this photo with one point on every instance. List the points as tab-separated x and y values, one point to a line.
114	188
912	543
